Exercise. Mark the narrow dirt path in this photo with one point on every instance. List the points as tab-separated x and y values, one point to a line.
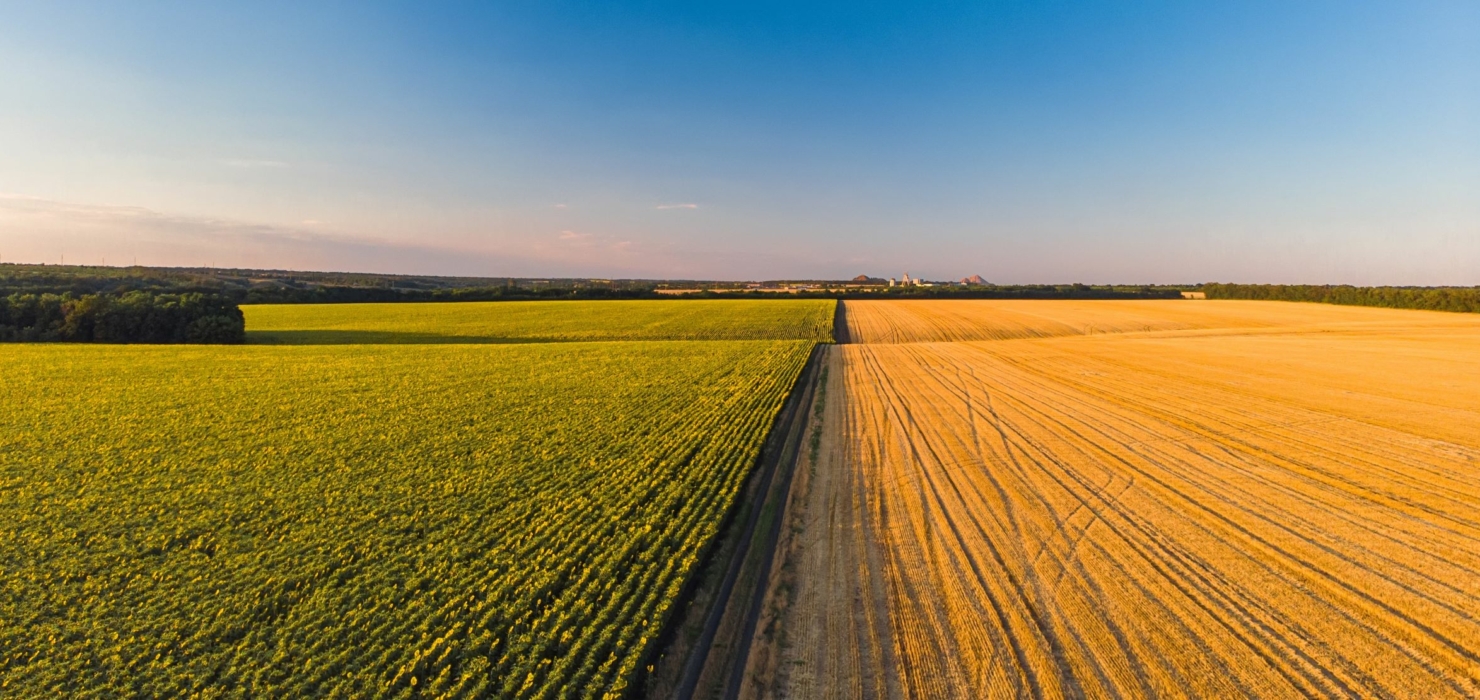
715	659
841	335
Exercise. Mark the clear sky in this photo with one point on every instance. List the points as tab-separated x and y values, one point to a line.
1027	142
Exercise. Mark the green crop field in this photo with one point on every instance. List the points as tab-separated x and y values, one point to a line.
526	321
357	520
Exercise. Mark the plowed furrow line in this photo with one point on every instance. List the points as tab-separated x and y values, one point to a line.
931	523
1400	632
1126	667
1220	399
1013	539
1038	596
1064	563
1293	562
1339	508
1005	625
1091	487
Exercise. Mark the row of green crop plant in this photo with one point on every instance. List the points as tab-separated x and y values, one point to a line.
135	317
1462	299
363	520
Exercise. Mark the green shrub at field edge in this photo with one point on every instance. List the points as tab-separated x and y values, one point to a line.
1462	299
135	317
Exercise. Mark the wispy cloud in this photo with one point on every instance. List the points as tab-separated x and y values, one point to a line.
558	206
28	213
677	206
252	163
37	229
34	229
594	243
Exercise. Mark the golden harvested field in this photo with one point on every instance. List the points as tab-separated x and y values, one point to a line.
1278	500
960	320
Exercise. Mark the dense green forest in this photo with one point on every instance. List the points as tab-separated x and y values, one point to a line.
1466	299
133	317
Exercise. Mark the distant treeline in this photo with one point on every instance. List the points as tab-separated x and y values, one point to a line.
292	287
1464	299
1029	291
343	295
987	291
135	317
515	293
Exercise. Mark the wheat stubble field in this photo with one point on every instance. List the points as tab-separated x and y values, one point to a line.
1165	498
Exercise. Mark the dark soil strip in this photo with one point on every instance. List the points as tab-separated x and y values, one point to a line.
780	455
840	325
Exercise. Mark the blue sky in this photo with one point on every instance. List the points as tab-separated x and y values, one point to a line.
1026	142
